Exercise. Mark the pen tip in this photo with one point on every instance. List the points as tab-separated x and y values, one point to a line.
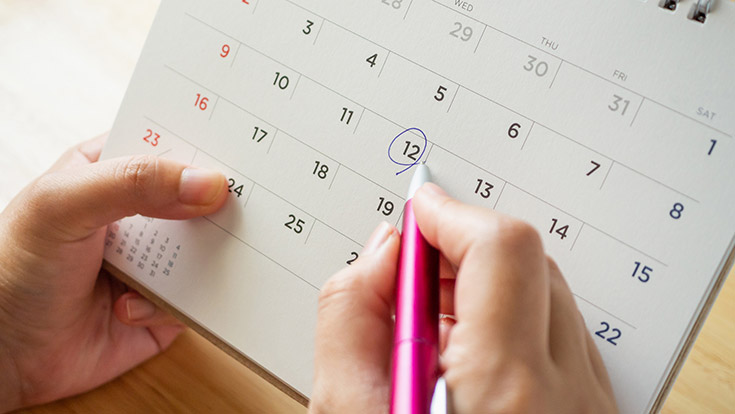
420	176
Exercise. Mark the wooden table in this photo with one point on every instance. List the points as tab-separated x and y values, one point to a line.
64	67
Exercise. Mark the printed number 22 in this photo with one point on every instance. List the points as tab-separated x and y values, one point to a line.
603	333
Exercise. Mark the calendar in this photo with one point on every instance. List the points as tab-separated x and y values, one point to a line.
606	125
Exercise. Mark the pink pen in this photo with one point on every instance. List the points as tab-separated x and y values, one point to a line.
416	342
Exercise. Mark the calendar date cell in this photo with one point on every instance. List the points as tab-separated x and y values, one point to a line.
332	248
476	186
502	133
571	172
429	95
268	213
231	215
203	54
238	138
355	63
558	229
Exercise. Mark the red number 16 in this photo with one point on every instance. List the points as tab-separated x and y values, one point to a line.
201	102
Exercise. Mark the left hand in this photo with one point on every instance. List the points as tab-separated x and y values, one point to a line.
64	327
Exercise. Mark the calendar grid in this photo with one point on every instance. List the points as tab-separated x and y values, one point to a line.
251	180
234	57
410	3
577	238
556	74
214	107
477	46
500	195
632	121
591	226
262	254
583	69
450	80
358	121
528	134
604	180
445	149
315	219
282	131
385	61
630	325
316	37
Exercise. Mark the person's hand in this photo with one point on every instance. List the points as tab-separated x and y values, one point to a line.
64	329
519	343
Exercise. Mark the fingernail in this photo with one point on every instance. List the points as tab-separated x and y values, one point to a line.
199	186
379	236
140	309
433	190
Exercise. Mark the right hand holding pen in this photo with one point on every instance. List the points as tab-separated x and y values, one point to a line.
519	344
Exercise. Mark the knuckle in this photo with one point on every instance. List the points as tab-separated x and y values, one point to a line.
517	235
339	287
137	174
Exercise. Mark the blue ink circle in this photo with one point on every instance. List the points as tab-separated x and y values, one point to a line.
408	165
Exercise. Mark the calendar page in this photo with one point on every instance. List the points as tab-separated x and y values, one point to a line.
606	125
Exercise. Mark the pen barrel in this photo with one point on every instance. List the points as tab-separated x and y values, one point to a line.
416	340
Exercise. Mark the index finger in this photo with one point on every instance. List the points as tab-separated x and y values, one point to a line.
503	281
82	154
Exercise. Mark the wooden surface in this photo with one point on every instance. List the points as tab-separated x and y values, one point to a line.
64	67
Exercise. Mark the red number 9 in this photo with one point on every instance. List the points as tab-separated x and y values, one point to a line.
225	51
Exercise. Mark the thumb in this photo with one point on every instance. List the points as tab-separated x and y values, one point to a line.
355	331
71	204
